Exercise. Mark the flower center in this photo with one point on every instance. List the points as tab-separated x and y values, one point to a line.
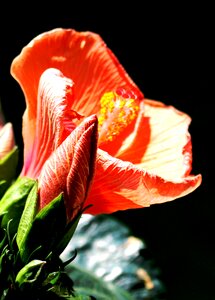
118	110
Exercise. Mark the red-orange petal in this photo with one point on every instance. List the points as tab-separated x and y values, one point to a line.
169	151
119	185
82	57
70	169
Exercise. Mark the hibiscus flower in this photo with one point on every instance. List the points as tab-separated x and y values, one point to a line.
144	151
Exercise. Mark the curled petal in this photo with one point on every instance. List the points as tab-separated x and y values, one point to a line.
7	141
80	56
70	169
54	120
119	185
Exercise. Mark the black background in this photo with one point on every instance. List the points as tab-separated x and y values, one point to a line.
167	50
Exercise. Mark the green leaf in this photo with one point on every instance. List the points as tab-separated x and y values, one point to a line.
26	221
46	230
13	202
8	165
29	274
17	191
87	284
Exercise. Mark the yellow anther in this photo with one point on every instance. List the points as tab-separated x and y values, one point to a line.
116	113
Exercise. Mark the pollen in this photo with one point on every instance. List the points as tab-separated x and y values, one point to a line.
118	110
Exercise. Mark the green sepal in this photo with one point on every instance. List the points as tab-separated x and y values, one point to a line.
13	202
68	233
3	241
29	274
46	230
3	187
8	165
59	283
4	274
27	218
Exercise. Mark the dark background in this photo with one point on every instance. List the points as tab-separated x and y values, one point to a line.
167	50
